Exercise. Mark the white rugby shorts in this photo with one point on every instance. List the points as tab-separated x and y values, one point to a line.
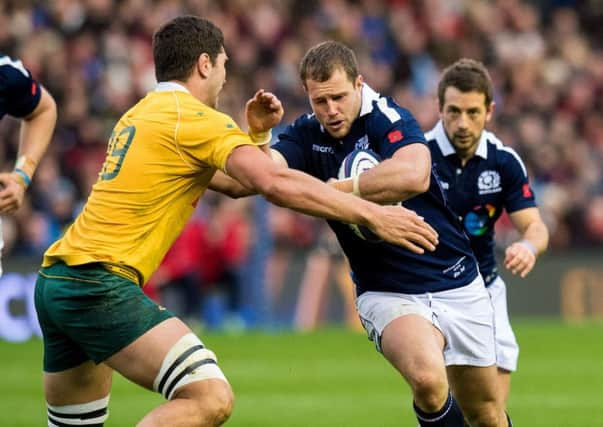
507	349
464	316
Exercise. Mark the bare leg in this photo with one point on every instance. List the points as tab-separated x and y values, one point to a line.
84	383
504	385
206	403
414	347
475	389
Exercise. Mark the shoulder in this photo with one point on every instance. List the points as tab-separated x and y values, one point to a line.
10	66
13	73
506	157
384	115
14	77
386	110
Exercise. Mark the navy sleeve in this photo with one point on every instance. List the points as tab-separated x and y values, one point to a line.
394	127
518	193
290	144
20	91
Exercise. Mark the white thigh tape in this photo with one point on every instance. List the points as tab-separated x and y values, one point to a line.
186	362
83	414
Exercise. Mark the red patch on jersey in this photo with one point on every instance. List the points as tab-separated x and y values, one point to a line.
394	136
34	88
527	192
195	202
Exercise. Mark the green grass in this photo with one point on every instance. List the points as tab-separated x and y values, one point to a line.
334	378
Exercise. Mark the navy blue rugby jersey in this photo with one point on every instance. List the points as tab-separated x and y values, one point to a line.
384	127
19	92
492	180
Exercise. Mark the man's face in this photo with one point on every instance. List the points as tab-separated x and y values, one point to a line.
216	79
464	115
336	102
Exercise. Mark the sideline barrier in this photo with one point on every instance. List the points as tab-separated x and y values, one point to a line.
18	318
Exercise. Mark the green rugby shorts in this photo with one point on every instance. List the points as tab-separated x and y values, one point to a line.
87	312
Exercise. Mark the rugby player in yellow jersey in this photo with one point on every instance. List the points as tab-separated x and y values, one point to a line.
161	157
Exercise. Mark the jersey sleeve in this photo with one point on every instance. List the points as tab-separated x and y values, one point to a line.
394	127
289	144
208	139
518	193
21	92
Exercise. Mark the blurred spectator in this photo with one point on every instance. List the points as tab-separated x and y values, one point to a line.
546	60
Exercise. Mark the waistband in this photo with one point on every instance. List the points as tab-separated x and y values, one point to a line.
125	271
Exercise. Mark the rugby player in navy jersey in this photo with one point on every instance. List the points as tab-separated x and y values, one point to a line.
428	313
24	98
481	177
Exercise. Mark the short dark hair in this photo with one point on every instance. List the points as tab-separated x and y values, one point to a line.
322	60
178	44
467	75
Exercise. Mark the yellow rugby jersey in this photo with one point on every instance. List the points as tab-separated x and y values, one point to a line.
160	159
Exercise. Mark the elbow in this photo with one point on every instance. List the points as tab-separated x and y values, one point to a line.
417	183
422	183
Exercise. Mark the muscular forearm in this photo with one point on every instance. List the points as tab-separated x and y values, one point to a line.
537	235
36	133
387	183
306	194
393	180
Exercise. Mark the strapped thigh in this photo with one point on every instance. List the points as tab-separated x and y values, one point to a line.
186	362
91	414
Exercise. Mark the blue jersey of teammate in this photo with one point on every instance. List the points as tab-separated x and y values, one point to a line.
19	92
384	127
492	180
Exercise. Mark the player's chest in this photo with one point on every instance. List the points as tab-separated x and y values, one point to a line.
327	153
475	184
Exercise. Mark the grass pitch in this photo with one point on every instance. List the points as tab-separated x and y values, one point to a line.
334	378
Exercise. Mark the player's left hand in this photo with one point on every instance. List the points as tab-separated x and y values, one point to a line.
12	192
263	112
519	259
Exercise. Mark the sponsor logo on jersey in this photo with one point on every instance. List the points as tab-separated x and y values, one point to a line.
488	182
362	143
527	191
479	220
322	148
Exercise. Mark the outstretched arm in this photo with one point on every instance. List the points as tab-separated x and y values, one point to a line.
36	133
304	193
520	256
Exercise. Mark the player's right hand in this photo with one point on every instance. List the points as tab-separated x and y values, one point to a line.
12	192
403	227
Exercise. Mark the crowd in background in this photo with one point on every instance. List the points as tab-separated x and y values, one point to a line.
95	57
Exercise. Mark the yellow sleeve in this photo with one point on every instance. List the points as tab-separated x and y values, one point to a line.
208	137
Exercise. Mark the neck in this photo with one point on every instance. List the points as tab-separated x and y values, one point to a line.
465	155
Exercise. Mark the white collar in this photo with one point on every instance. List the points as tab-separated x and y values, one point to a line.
368	96
170	86
447	148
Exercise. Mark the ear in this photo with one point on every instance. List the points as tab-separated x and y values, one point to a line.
204	65
359	81
490	111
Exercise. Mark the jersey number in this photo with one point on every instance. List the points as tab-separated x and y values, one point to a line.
118	147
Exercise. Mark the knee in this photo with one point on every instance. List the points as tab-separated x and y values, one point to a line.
488	415
218	404
211	402
430	390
